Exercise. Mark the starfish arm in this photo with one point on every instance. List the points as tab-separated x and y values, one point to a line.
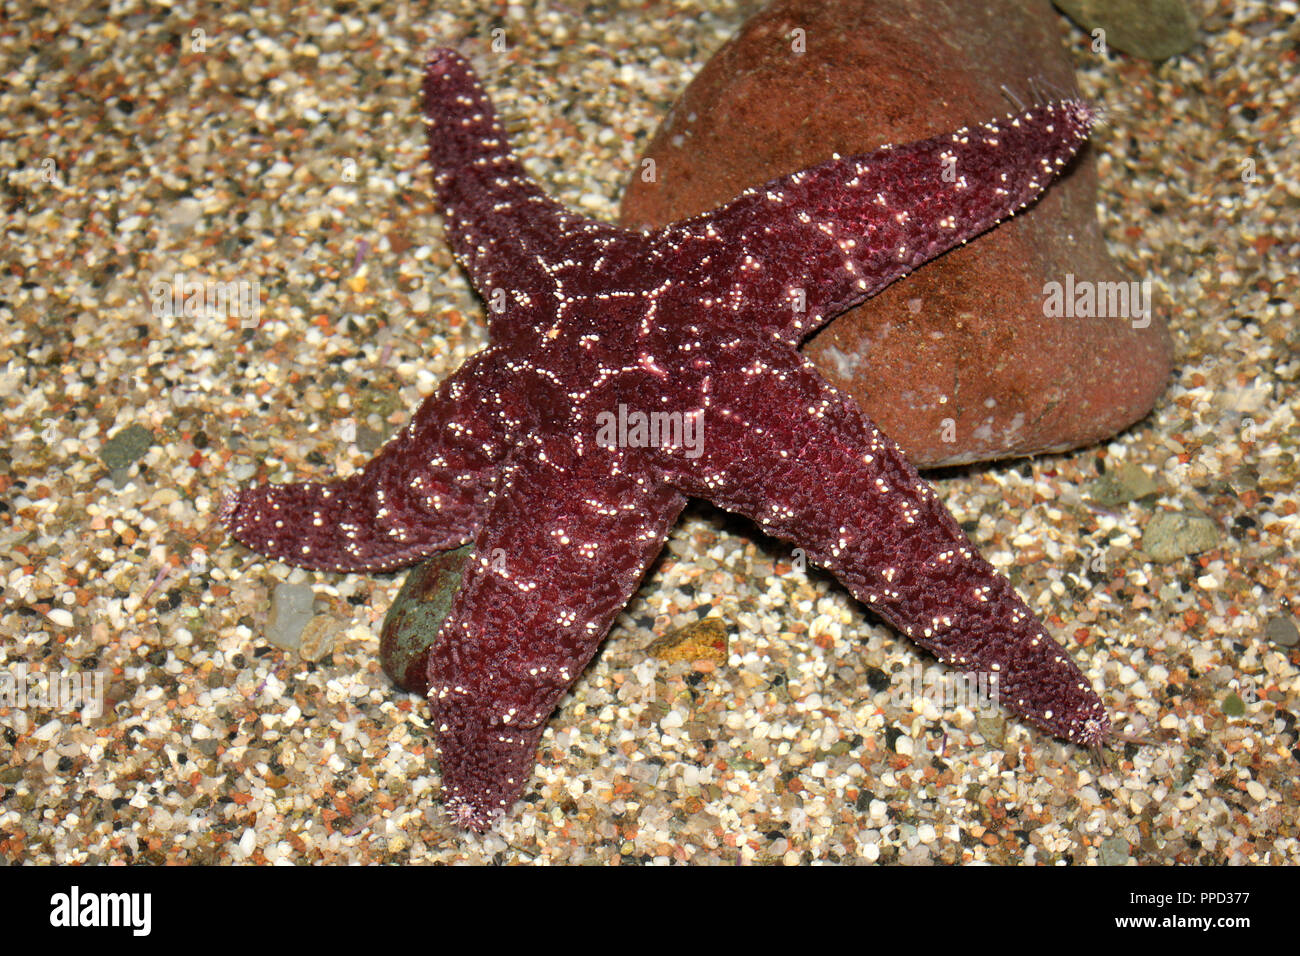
502	227
564	548
833	484
424	491
807	246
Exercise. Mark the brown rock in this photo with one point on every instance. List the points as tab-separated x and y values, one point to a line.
956	362
705	640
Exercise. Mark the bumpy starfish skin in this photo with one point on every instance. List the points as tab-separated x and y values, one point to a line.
701	317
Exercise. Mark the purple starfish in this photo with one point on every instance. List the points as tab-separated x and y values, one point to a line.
630	370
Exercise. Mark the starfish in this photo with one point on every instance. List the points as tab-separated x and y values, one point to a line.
628	371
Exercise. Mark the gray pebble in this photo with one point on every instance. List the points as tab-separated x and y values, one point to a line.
184	214
126	447
1114	851
1124	482
1171	535
918	855
291	607
645	771
368	440
1282	630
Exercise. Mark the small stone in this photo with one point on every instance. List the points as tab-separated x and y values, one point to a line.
318	637
61	617
1150	29
369	441
1170	535
1125	482
412	624
993	729
645	771
183	214
291	610
1282	630
1233	706
126	447
705	640
919	855
878	680
1114	851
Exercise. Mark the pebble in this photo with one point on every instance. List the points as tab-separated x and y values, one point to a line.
919	855
317	638
368	440
993	728
705	640
126	447
1114	851
1123	483
291	612
646	772
1171	535
184	214
61	617
1281	630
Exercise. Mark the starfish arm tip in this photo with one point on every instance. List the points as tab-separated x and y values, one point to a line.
468	816
439	55
232	498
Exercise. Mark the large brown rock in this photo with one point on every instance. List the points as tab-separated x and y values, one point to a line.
957	362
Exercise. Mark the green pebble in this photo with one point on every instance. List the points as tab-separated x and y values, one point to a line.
126	447
1170	535
1114	851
